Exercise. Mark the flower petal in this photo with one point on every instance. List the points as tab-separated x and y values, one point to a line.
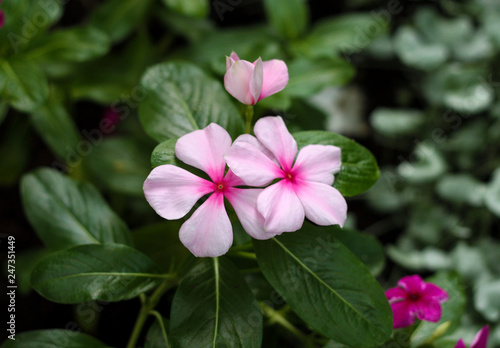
247	138
281	208
172	191
256	80
432	291
234	56
413	284
461	344
231	59
251	165
244	202
232	180
208	232
237	81
204	149
317	163
323	204
275	77
395	294
428	310
273	134
402	315
481	338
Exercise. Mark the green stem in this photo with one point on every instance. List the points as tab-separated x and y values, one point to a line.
243	255
248	118
277	317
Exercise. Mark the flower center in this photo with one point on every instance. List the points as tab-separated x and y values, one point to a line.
289	176
414	297
219	187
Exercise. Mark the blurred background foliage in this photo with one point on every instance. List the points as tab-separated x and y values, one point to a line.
417	82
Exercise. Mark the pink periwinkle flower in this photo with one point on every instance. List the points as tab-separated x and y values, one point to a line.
2	19
479	341
415	298
304	188
250	82
173	191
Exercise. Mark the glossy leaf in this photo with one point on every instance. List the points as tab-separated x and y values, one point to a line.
157	336
359	169
288	17
54	338
164	153
106	272
182	98
327	286
214	307
190	8
65	212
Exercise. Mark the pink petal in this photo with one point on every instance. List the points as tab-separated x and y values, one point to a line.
247	138
234	56
237	81
232	180
204	149
281	208
323	204
461	344
402	315
256	80
413	284
172	191
432	291
273	134
481	338
2	19
395	294
208	232
244	202
275	77
251	165
317	163
428	310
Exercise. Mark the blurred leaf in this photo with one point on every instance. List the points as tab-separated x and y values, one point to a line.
430	165
182	98
492	197
327	286
190	8
4	110
396	121
194	29
55	126
461	188
26	262
469	261
308	77
359	169
345	34
117	18
430	258
107	272
120	164
383	196
476	48
65	212
214	306
486	299
23	84
288	17
452	309
54	338
70	45
157	336
448	31
14	147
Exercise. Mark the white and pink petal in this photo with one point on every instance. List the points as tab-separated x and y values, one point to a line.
275	74
318	163
237	81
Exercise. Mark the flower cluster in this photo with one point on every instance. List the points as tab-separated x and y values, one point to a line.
303	188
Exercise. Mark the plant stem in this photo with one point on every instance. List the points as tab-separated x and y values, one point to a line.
248	118
277	317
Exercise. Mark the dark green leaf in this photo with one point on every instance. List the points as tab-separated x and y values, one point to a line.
14	146
182	98
157	336
288	17
106	272
359	169
66	213
190	8
54	338
164	153
214	307
327	286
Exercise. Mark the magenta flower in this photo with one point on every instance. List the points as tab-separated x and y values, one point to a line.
173	191
480	340
251	82
415	298
304	188
2	19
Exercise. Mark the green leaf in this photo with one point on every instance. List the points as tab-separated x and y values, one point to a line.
54	338
66	213
181	98
23	84
359	169
492	197
396	121
462	188
164	153
106	272
486	299
14	146
157	336
308	77
70	45
55	126
117	18
288	17
190	8
214	307
429	167
26	261
327	286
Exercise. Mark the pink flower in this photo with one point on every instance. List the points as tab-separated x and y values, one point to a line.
2	19
415	298
173	191
251	82
304	188
480	340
